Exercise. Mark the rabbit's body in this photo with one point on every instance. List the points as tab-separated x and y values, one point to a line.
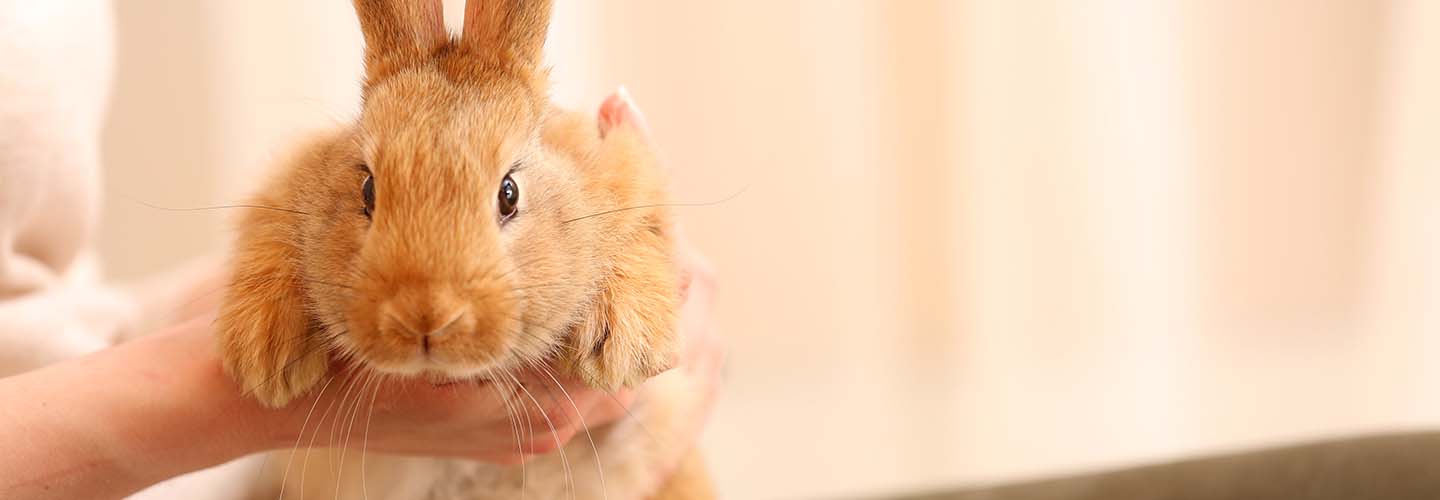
403	246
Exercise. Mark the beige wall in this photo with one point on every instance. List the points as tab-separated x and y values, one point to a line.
977	239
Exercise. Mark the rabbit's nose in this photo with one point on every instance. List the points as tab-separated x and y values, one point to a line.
425	319
425	328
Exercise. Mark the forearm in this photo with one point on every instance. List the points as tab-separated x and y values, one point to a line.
113	423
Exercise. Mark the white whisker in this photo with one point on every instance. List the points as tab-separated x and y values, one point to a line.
305	465
515	431
599	468
365	443
296	448
350	428
564	461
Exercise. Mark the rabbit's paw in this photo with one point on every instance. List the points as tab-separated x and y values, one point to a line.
627	338
268	348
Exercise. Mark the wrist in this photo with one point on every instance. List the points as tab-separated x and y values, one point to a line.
243	425
115	422
182	411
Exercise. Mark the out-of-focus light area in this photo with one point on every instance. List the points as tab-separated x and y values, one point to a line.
977	240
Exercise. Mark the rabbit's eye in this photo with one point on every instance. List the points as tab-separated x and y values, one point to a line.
367	193
509	197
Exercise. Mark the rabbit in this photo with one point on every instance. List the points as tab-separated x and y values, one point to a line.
460	229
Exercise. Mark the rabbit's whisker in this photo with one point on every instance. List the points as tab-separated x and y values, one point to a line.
530	430
560	447
541	342
293	449
494	264
201	296
599	467
315	434
527	263
347	407
659	205
349	431
220	207
543	361
514	431
365	442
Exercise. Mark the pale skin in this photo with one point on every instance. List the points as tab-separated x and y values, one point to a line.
112	423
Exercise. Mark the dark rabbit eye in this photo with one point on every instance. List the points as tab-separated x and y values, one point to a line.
509	197
367	193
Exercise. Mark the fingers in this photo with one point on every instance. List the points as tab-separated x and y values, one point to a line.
697	292
494	422
553	418
611	408
570	402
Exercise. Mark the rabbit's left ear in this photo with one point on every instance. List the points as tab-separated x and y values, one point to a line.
399	34
620	109
507	31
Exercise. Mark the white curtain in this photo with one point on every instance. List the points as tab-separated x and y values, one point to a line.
977	239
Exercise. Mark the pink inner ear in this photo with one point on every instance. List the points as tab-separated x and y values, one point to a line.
613	112
620	109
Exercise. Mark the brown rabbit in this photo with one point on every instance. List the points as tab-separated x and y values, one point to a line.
462	228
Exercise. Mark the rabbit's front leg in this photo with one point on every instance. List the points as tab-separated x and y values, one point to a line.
629	335
266	341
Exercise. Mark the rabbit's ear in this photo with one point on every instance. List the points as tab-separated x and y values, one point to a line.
511	31
399	34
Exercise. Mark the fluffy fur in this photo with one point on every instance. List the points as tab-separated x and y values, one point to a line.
434	282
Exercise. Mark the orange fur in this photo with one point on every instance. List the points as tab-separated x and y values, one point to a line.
439	134
432	282
690	482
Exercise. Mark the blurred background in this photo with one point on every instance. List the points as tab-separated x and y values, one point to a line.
978	240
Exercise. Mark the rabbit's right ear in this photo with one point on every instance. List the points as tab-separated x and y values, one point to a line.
399	34
507	31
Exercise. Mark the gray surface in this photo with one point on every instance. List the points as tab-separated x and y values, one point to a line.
1388	467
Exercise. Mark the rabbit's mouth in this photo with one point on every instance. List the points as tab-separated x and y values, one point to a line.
435	366
474	357
440	364
443	365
